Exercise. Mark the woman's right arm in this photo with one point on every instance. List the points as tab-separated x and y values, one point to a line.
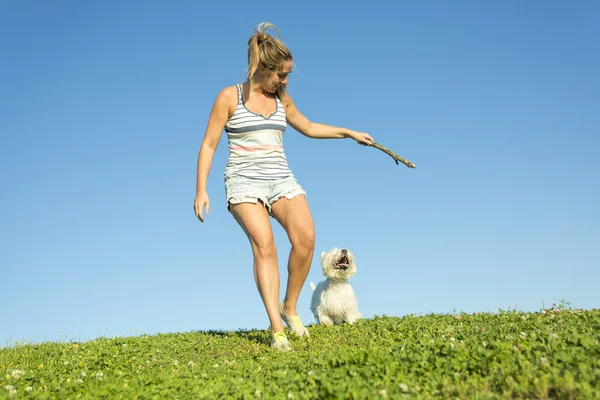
219	114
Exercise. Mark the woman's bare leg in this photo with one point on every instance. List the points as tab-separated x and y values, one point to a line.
295	217
254	220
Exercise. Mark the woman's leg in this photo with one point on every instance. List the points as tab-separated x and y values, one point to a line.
295	217
254	220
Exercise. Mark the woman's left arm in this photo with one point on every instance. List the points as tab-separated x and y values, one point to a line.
320	131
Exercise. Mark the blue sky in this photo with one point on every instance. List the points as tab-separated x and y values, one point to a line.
103	107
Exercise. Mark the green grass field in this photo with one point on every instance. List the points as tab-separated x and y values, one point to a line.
510	354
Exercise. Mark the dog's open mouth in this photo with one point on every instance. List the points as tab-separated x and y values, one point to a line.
342	263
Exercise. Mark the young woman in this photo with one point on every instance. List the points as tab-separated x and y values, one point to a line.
258	181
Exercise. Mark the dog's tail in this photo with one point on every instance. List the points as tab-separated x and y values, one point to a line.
312	285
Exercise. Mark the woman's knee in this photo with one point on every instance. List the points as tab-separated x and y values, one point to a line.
265	249
304	240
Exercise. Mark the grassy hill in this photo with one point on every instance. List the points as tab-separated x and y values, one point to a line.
509	354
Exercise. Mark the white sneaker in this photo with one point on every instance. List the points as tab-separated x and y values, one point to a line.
293	322
280	342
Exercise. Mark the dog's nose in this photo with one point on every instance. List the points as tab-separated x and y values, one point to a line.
344	252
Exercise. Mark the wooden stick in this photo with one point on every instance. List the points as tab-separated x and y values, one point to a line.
395	156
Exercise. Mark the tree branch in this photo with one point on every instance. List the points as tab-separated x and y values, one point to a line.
395	156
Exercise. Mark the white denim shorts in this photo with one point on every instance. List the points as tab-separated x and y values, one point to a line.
239	189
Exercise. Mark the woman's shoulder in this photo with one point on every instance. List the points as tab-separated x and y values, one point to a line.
228	98
229	92
285	99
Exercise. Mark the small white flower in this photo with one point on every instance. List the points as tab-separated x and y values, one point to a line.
310	372
84	374
99	376
257	393
523	317
543	312
553	336
452	339
8	387
544	361
17	373
523	335
28	389
191	363
12	393
290	395
484	344
175	362
383	393
404	387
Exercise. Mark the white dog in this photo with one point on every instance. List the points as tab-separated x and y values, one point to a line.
333	300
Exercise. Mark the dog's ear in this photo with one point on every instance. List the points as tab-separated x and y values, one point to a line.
322	254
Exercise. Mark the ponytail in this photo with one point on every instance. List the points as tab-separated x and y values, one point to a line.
265	53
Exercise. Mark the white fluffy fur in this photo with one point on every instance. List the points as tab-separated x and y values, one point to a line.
333	300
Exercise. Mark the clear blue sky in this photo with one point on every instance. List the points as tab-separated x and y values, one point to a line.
103	107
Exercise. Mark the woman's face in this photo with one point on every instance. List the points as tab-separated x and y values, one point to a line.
278	78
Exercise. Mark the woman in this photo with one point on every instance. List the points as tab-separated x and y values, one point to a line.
258	181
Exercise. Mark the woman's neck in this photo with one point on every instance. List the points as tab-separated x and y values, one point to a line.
255	88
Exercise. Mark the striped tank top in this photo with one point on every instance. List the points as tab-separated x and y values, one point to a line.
256	143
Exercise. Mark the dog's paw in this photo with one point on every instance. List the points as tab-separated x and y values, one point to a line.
325	320
353	318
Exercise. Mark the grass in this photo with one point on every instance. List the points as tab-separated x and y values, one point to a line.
510	354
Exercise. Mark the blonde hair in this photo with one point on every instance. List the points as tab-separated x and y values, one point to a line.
266	54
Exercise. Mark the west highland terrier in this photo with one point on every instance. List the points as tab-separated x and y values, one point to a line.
333	300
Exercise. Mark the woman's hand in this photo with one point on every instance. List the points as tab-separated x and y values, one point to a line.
200	201
362	138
